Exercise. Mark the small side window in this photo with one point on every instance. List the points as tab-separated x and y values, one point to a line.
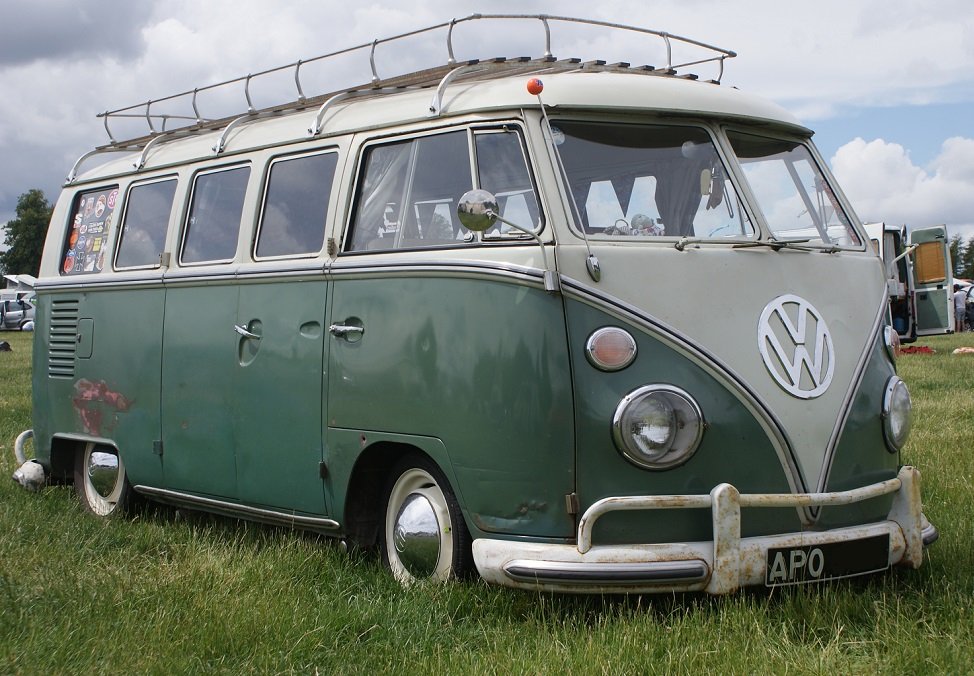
144	224
408	192
87	237
502	170
214	216
295	206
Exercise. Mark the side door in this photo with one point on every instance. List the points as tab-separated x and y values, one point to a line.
278	403
199	340
438	344
933	279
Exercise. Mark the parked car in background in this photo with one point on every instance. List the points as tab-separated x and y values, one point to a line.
14	314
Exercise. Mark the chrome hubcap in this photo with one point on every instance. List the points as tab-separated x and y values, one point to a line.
103	473
416	535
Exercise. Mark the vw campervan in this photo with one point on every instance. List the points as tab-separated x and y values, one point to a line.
578	326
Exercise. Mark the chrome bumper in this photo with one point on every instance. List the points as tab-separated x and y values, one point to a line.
721	566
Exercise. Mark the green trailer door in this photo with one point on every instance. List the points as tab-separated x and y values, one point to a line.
934	281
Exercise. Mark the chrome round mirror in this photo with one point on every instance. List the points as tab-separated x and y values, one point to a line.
477	210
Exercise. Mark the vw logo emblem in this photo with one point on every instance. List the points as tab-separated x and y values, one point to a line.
796	346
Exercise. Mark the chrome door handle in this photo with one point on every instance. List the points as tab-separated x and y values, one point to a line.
244	332
343	330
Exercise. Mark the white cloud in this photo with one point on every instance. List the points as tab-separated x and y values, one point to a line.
885	185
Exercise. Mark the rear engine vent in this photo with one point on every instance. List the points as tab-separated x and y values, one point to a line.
63	339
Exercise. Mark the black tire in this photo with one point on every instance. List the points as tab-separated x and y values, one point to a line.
100	481
423	534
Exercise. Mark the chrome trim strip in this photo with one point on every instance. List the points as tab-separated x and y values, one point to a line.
171	277
239	511
710	363
846	409
610	574
443	267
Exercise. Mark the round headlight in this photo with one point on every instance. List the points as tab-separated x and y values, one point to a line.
657	426
897	414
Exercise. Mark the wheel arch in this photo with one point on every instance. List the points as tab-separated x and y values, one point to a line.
63	453
364	495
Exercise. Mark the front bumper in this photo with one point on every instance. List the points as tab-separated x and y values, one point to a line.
721	566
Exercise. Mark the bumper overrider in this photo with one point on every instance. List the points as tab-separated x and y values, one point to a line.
727	563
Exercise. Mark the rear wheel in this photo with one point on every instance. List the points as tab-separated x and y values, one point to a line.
100	481
423	536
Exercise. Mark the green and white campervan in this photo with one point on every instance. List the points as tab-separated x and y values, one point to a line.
577	326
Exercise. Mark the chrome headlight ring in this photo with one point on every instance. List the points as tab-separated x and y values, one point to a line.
897	414
657	426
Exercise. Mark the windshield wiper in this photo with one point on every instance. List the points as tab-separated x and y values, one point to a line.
794	244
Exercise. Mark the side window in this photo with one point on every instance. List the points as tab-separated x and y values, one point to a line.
503	170
214	216
87	237
144	224
408	193
295	206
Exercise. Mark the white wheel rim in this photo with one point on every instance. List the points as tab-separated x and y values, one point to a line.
419	482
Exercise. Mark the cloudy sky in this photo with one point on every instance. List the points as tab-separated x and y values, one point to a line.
887	84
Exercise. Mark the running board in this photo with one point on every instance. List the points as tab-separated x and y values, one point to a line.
239	511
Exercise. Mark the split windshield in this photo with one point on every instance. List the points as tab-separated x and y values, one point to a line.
634	181
795	198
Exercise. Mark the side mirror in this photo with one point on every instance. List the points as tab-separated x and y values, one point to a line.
477	210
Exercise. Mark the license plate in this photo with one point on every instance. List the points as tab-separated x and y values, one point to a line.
829	561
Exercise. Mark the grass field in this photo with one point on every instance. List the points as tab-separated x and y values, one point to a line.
169	593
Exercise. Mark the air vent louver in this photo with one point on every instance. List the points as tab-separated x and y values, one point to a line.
63	339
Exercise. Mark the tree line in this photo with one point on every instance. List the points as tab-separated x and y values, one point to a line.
962	256
26	234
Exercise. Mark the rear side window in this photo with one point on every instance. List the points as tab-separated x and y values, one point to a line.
144	224
214	216
295	206
87	237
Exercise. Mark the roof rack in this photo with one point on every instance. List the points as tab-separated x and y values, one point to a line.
440	77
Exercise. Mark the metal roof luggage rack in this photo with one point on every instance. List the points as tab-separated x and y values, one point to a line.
439	77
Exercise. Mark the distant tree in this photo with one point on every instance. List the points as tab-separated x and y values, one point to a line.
956	253
25	235
967	260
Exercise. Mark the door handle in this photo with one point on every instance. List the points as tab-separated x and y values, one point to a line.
344	330
244	332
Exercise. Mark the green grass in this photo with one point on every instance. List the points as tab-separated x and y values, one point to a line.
167	592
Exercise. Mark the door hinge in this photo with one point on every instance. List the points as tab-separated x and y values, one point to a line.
323	470
157	447
571	503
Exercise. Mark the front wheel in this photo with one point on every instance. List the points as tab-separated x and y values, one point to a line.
423	536
100	481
